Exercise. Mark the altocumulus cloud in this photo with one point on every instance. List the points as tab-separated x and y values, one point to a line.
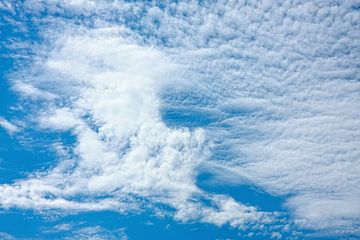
276	85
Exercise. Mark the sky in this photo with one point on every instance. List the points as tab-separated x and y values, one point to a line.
179	119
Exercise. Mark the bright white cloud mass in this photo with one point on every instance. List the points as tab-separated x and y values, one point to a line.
261	93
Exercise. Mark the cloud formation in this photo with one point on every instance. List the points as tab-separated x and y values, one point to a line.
276	86
8	126
124	152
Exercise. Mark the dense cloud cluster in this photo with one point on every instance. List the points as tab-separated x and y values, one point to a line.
154	93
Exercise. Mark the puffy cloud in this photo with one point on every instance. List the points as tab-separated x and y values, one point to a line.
124	152
60	119
276	82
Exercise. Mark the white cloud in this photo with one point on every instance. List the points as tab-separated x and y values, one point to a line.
32	92
98	233
82	231
8	126
124	151
280	81
60	119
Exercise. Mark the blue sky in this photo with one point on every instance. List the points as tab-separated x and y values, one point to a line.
179	119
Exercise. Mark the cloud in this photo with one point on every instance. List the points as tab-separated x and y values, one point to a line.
98	233
6	236
8	126
277	85
83	231
61	119
32	92
124	152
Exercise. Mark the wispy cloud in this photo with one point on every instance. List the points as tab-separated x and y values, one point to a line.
83	231
7	236
8	126
32	92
